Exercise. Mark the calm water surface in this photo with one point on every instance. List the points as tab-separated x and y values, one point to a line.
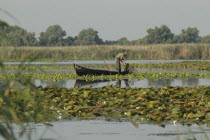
190	82
104	130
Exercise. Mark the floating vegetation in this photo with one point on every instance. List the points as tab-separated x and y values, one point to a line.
138	76
201	65
185	105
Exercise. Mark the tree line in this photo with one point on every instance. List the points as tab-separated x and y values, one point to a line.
56	36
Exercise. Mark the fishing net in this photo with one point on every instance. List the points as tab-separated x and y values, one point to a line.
128	69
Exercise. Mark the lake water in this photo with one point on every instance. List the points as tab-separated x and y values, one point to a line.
104	130
190	82
145	83
97	62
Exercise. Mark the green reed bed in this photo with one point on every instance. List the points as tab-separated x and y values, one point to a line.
138	76
186	105
160	51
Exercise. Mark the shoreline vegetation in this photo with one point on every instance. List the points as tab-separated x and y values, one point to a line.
196	51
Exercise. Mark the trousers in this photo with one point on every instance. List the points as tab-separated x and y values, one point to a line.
118	66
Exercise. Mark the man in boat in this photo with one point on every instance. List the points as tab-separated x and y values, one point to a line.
121	57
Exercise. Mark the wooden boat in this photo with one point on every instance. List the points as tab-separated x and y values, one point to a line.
86	71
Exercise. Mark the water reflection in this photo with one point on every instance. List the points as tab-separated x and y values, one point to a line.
103	130
190	81
84	83
145	83
118	83
159	82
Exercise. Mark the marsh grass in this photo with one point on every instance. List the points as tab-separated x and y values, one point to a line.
21	103
8	115
160	51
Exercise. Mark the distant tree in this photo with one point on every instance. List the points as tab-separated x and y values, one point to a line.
88	37
159	35
189	35
53	36
110	42
2	33
133	42
123	41
17	36
140	41
205	39
69	41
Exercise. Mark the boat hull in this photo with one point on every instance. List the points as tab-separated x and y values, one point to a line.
86	71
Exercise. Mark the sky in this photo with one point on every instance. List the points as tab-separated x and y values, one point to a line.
113	19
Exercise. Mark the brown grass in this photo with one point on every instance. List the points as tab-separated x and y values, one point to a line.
160	51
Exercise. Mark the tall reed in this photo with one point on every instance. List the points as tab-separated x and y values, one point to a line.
20	102
160	51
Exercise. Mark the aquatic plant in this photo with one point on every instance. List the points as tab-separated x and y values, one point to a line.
185	104
138	76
